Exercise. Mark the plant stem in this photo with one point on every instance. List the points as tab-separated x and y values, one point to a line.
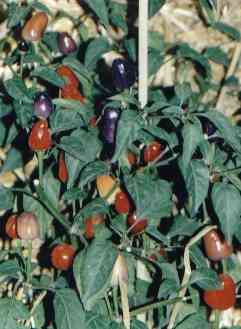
109	307
29	261
52	209
40	166
149	307
21	65
216	320
224	263
115	299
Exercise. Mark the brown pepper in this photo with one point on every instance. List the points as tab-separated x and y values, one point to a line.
34	29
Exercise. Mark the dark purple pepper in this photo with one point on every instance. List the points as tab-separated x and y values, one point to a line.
23	46
124	74
108	125
43	105
209	128
66	43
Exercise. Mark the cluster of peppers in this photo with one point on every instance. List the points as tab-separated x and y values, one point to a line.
217	249
26	225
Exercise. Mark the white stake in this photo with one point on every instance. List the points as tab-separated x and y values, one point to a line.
143	52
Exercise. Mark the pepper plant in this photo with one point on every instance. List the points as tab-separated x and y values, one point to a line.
130	216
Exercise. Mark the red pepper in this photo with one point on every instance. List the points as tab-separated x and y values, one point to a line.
63	171
40	137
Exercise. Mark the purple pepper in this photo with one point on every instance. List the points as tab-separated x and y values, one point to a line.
124	74
108	125
43	105
23	46
66	43
209	128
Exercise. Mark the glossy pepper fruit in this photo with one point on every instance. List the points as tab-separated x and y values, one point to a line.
107	186
152	151
28	226
68	92
43	105
90	224
62	169
23	46
34	29
109	122
223	298
62	256
66	43
137	225
11	227
40	137
123	73
71	79
216	248
122	203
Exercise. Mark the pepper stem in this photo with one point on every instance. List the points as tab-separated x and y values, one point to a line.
29	260
40	166
216	319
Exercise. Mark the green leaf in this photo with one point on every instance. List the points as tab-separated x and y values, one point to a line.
4	109
40	6
74	194
152	198
12	310
85	111
205	278
100	9
92	170
16	88
196	321
136	324
95	50
51	41
192	137
95	272
13	161
74	167
197	256
24	113
69	313
17	14
155	6
94	207
163	135
183	226
197	183
227	205
167	287
118	16
232	32
127	129
130	45
10	268
51	187
155	60
6	198
62	120
184	50
225	128
75	145
183	91
49	75
217	55
95	321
